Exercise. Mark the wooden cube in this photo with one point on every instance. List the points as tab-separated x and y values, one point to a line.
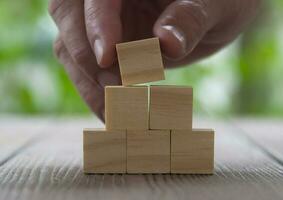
192	151
148	151
171	107
140	61
126	108
104	151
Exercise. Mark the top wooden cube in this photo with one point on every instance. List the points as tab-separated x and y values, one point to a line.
140	61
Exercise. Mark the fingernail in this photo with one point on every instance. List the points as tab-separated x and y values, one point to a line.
98	50
179	35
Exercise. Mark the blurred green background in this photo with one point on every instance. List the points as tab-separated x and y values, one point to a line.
243	79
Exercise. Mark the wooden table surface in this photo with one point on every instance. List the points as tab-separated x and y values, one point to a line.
41	158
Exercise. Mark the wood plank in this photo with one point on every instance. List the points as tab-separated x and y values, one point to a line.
140	61
52	169
268	134
17	134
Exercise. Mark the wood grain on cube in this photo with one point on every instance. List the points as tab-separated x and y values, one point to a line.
148	151
104	151
126	108
171	107
140	61
192	151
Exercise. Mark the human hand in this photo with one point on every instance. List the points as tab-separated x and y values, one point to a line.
188	30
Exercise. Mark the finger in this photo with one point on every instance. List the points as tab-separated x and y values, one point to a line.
183	24
69	18
104	28
90	91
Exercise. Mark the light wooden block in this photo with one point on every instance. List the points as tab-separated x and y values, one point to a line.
148	151
104	151
171	107
192	151
126	108
140	61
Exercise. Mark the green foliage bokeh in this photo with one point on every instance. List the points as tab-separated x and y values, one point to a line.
244	78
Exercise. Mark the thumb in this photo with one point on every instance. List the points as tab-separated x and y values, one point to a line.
183	24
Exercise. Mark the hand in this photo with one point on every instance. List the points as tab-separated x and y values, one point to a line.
188	30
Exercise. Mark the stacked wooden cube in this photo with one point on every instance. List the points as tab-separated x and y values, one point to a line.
148	128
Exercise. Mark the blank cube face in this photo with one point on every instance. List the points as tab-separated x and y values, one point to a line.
171	107
104	151
192	152
148	151
140	61
126	108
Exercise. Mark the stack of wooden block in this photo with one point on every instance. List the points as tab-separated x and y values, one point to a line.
148	128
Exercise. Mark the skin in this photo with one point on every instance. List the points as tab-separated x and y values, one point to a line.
188	31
